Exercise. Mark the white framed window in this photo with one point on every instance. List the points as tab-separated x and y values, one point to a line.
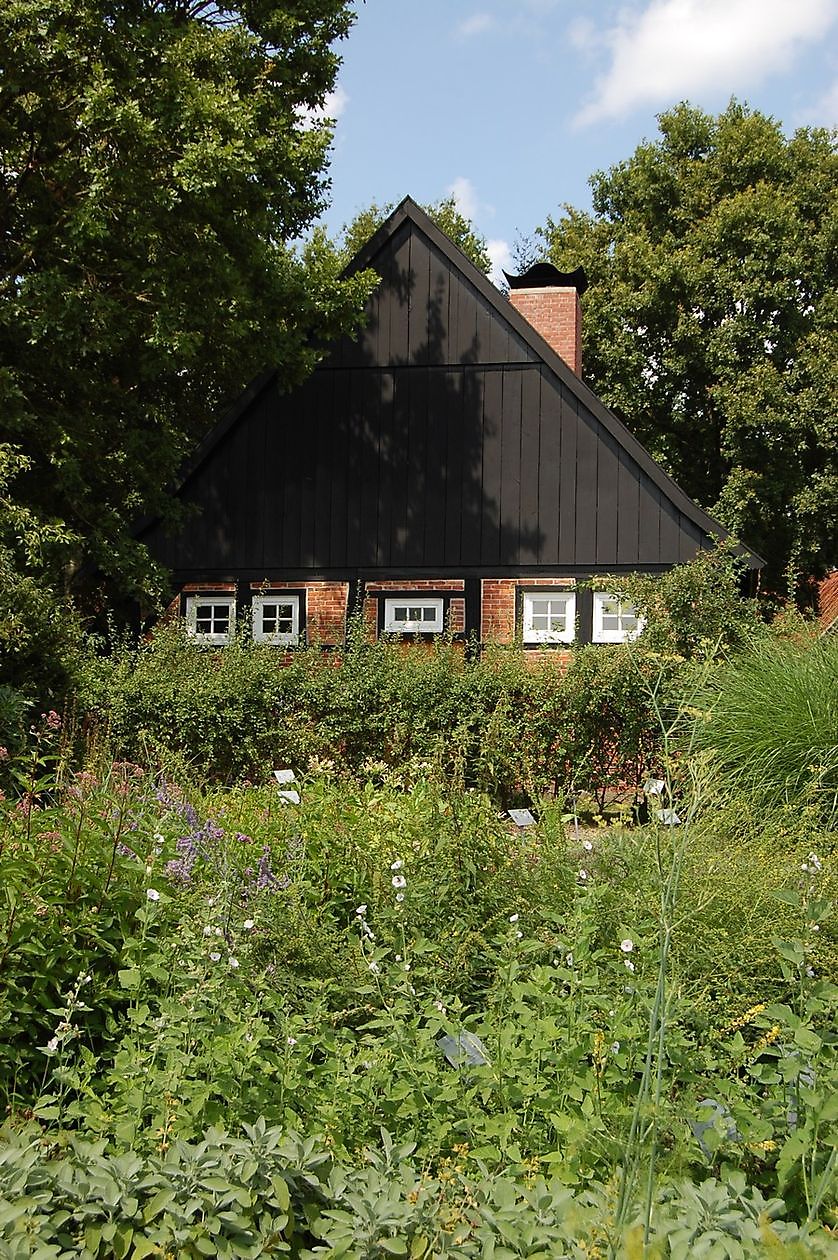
615	620
276	619
211	618
549	617
412	615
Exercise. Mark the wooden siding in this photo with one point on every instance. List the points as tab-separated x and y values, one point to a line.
437	440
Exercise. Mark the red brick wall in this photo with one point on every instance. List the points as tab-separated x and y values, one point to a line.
457	607
497	623
557	315
326	604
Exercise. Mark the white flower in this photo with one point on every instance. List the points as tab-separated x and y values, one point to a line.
615	1047
814	862
215	958
152	894
439	1006
569	959
208	930
218	931
361	911
587	846
407	966
374	967
52	1044
518	935
810	971
398	957
399	896
397	865
247	925
234	962
292	1041
628	964
513	918
816	927
399	881
627	945
583	875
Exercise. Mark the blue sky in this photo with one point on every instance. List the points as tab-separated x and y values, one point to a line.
511	106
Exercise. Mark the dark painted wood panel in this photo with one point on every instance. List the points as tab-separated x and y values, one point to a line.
530	533
465	348
420	293
355	454
492	469
438	317
691	540
308	471
650	521
549	471
420	498
398	464
386	441
396	296
451	407
472	384
499	341
324	382
436	471
338	453
510	475
587	449
290	462
669	533
608	472
567	482
273	471
628	499
370	475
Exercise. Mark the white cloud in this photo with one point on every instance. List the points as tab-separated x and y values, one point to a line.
674	49
501	256
334	104
465	196
824	113
477	24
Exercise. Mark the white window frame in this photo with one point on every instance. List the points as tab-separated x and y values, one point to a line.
280	638
194	602
533	635
392	626
624	608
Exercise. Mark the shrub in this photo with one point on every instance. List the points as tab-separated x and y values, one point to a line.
772	726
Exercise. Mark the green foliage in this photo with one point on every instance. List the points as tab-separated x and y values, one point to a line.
695	609
158	159
499	724
710	321
41	641
772	726
445	214
550	1041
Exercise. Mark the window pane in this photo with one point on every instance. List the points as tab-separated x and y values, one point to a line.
557	622
414	614
400	614
429	614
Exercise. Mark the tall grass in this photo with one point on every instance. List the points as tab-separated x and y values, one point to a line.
772	726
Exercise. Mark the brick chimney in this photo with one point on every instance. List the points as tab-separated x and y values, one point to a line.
549	300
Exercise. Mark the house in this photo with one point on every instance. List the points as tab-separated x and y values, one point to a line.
828	603
447	468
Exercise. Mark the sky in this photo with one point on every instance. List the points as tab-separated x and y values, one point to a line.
511	106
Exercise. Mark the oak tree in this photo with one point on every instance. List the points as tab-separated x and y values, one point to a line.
711	320
158	158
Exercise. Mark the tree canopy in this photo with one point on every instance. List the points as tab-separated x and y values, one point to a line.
157	158
711	320
445	214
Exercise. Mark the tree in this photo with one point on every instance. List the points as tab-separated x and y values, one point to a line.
156	159
445	215
711	320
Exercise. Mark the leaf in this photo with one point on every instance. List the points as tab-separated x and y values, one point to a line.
129	977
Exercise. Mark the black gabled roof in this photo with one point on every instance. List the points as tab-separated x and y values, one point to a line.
409	210
256	406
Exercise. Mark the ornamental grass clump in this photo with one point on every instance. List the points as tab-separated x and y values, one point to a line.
772	726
